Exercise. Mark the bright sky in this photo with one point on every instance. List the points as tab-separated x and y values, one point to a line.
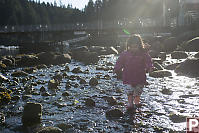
75	3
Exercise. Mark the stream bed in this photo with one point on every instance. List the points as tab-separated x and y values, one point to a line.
166	101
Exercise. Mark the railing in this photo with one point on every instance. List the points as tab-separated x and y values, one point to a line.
76	26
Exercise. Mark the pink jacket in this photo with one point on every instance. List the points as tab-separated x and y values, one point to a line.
134	67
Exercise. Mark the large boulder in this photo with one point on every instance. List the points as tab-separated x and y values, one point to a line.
46	58
62	59
32	114
189	67
191	45
27	60
85	56
170	44
178	55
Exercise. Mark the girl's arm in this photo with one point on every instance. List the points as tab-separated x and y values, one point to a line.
148	62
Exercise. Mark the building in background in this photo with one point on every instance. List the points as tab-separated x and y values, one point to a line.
188	12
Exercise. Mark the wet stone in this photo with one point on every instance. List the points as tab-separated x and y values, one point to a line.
50	130
42	89
111	100
77	70
2	118
160	74
52	84
93	82
15	98
82	81
114	113
90	102
45	94
32	114
25	97
166	91
177	118
65	94
19	74
64	126
58	77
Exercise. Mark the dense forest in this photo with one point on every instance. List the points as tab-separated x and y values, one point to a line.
29	12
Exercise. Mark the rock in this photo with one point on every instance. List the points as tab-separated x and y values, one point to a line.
3	79
109	64
46	58
196	55
67	68
7	62
170	44
153	53
156	46
160	74
114	113
58	77
89	102
191	45
110	50
2	66
80	49
166	91
25	97
189	67
163	56
62	59
27	60
111	101
65	94
53	84
64	126
158	66
19	74
2	118
42	89
15	98
178	55
50	130
77	70
85	57
42	66
177	118
97	49
45	94
32	114
30	70
93	82
4	96
172	66
82	81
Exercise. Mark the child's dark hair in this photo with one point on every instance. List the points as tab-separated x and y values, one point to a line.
135	39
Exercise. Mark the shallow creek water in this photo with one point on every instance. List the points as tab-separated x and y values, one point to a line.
154	116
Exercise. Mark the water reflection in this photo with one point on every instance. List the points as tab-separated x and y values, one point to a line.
9	50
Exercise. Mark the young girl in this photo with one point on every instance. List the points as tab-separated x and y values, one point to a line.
134	63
